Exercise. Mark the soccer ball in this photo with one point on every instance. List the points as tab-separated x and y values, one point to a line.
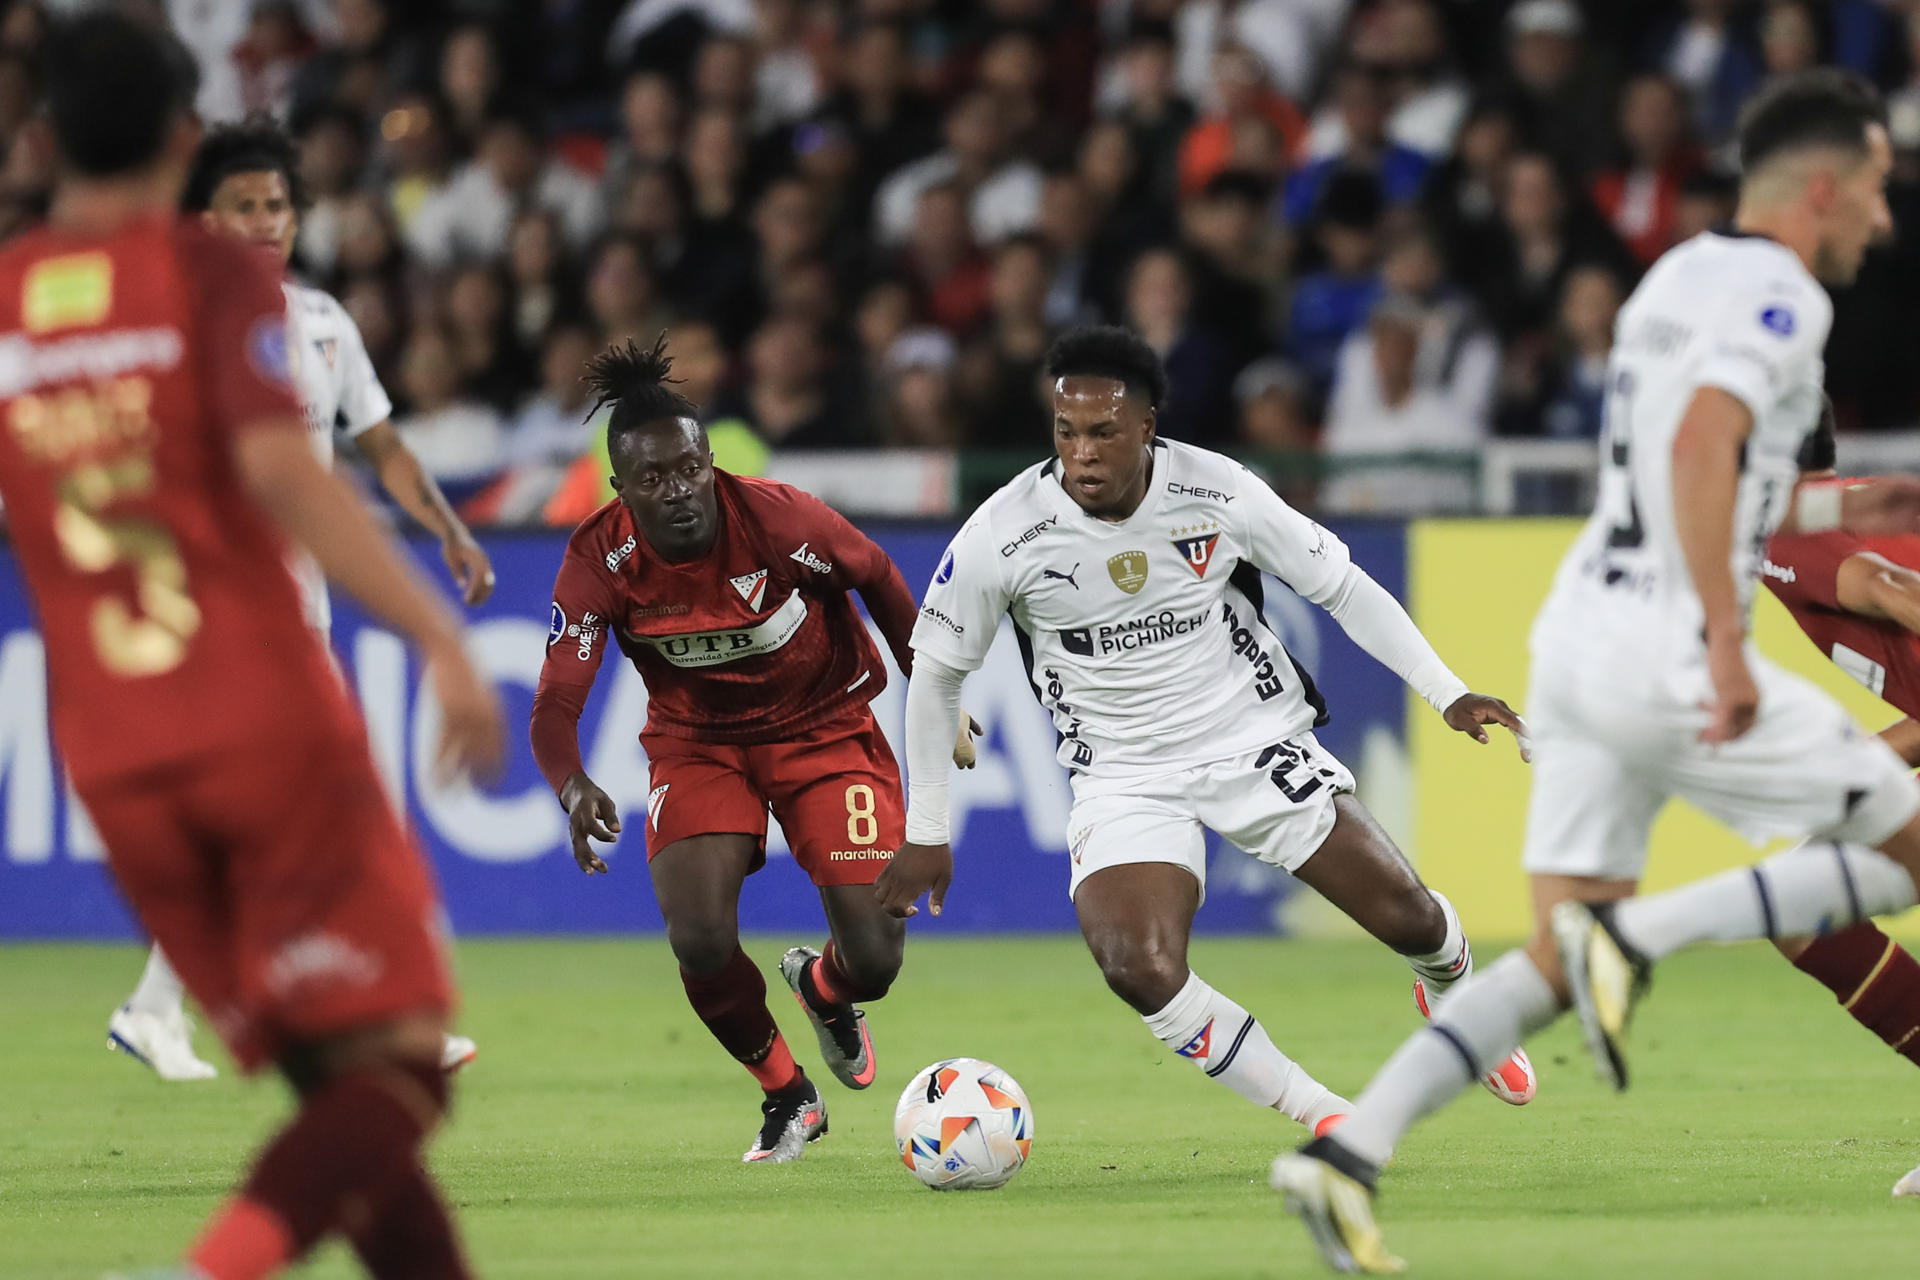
963	1125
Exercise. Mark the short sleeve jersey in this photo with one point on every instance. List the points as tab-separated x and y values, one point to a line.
1737	313
1803	570
1143	637
755	642
128	364
340	393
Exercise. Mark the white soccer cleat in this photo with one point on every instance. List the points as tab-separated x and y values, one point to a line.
456	1053
1908	1186
1337	1210
1607	978
162	1042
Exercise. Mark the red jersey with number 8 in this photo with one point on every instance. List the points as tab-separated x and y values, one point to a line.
127	364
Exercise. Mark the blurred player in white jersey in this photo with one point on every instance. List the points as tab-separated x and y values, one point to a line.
1131	566
245	183
1645	683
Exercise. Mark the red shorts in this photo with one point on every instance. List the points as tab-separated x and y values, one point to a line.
836	794
283	889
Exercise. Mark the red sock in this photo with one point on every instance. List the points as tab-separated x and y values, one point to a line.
834	985
412	1237
353	1137
733	1004
1874	979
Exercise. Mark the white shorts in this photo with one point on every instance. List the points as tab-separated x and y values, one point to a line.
1605	763
1275	803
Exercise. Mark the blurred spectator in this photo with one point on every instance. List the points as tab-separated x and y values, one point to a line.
1233	259
269	55
785	399
1577	384
1547	234
1012	67
942	259
473	214
469	81
622	295
919	410
1000	376
1275	401
332	154
540	288
786	83
884	312
1459	356
1330	303
474	312
551	428
1404	45
722	77
1909	91
1560	98
716	161
367	244
1640	197
1066	225
1789	37
1710	51
890	123
1288	37
1149	103
377	314
699	361
1242	106
1125	220
1462	198
1361	101
457	439
1002	191
1382	410
417	154
1160	308
364	63
649	130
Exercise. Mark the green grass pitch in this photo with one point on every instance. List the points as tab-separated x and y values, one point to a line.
599	1135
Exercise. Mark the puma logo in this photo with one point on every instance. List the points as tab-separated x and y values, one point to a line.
1066	577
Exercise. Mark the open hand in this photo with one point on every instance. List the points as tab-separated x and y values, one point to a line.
915	869
1736	699
1471	712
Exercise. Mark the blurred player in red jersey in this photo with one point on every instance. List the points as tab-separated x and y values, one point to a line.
152	456
729	595
1858	600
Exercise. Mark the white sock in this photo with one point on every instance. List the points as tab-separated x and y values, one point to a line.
1448	967
1485	1020
160	991
1226	1042
1811	888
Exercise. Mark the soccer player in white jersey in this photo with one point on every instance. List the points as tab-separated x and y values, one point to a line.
245	183
1130	566
1645	684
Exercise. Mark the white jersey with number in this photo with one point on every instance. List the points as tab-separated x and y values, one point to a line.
339	391
1738	313
1144	636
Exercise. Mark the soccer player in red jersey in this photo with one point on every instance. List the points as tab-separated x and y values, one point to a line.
730	595
154	463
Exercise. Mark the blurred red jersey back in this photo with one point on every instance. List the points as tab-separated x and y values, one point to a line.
128	363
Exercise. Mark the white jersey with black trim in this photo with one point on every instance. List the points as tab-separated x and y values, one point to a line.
1144	636
339	391
1738	313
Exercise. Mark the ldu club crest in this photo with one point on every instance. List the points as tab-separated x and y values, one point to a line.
1128	571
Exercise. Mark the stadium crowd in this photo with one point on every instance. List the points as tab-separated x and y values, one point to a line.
1363	227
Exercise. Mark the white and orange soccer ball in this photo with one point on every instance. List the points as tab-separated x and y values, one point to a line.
963	1125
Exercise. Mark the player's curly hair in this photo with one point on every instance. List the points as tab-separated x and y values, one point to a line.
253	145
1110	351
636	384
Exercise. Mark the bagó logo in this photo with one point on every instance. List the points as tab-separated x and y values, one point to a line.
752	588
1196	549
801	555
619	554
1128	571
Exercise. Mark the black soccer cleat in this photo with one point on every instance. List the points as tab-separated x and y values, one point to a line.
845	1043
789	1120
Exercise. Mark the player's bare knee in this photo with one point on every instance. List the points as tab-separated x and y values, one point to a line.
872	960
703	948
1411	923
1146	977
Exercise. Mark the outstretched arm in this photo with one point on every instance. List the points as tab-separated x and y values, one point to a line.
402	476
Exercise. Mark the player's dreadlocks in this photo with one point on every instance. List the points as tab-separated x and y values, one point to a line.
635	383
1109	351
253	145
